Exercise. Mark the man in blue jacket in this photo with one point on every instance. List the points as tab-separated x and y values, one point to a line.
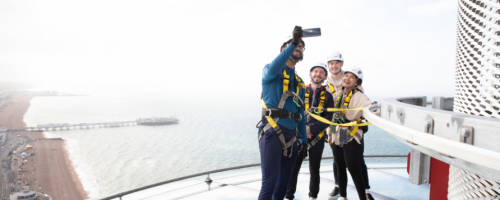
282	117
317	100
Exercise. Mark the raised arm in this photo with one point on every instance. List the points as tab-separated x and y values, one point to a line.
273	69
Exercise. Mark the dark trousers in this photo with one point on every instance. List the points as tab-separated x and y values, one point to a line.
315	154
276	168
362	166
347	157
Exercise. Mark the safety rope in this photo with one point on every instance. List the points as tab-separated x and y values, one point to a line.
321	119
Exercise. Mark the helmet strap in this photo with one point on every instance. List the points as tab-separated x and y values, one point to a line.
354	86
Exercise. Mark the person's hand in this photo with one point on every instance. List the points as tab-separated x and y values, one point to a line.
297	34
308	130
330	140
303	151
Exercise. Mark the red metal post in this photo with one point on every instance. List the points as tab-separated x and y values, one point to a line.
438	179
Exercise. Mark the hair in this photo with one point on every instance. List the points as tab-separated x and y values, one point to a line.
285	44
359	81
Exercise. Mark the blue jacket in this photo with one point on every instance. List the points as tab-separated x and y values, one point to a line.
272	89
316	126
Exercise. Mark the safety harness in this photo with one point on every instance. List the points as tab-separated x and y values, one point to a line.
272	115
318	110
332	88
347	101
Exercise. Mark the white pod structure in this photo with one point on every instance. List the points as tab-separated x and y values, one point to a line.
477	84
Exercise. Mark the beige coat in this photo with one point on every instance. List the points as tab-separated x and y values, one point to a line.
358	100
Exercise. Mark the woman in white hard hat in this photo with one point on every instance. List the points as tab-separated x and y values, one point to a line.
335	62
346	142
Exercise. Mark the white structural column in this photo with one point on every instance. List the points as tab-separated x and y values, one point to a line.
477	84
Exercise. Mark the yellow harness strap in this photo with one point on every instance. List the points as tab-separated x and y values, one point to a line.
332	88
272	123
269	119
321	102
320	135
307	103
286	81
308	99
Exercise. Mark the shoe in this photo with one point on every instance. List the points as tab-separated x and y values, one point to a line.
312	198
335	194
369	196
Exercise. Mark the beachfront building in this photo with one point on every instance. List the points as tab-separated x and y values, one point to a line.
27	194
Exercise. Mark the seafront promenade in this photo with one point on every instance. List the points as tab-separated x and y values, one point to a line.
44	167
7	174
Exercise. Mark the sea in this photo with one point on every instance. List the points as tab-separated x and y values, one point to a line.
213	133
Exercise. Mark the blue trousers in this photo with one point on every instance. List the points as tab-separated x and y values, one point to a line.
276	168
361	164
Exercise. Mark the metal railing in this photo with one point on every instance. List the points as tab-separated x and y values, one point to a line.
121	194
465	141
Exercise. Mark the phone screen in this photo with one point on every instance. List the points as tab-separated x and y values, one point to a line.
311	32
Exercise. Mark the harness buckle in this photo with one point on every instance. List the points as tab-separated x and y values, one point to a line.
295	97
270	112
316	110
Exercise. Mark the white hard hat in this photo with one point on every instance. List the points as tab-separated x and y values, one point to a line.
334	55
356	71
320	64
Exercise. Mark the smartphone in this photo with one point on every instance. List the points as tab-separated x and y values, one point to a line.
311	32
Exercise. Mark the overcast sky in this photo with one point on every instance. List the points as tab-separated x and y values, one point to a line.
406	48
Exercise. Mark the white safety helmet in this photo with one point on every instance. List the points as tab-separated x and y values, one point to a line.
356	71
334	55
322	65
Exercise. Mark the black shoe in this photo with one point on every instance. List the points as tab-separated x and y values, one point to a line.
369	196
335	193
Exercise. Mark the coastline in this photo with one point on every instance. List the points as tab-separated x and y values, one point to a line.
51	168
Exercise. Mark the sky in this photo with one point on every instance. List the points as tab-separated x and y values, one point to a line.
218	48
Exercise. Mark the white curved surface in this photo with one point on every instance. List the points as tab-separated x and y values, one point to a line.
483	157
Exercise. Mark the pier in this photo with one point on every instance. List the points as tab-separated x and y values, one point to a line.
66	126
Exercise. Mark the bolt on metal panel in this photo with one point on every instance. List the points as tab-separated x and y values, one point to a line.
446	124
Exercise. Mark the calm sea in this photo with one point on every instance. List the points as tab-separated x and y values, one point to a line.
212	134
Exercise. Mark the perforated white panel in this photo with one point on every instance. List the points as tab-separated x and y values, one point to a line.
464	185
477	80
477	84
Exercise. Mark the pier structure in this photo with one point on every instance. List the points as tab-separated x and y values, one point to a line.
66	126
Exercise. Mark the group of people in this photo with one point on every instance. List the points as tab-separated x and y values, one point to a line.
293	115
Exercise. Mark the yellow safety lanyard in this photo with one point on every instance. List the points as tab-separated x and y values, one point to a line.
346	104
